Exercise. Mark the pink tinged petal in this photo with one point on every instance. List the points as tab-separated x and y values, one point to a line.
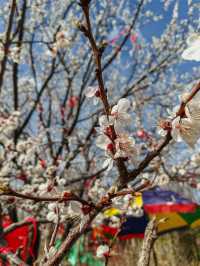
114	40
133	38
123	105
125	147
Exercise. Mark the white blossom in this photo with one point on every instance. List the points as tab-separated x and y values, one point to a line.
60	181
161	180
119	114
126	148
123	147
62	39
192	109
44	188
185	129
93	92
192	52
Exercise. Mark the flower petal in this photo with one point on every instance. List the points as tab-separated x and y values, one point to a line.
102	141
114	109
192	53
192	39
192	111
123	105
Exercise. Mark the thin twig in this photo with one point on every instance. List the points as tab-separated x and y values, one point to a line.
62	198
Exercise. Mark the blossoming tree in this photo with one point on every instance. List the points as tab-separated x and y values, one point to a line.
83	92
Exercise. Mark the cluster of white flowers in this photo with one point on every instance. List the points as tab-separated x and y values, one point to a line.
64	212
113	138
188	128
160	180
193	50
9	124
53	213
97	191
62	41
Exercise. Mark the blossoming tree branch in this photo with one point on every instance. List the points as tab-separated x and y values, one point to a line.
86	120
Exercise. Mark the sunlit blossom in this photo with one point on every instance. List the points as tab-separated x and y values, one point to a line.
185	129
119	114
192	52
126	148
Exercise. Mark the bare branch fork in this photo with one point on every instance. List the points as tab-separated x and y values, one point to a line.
67	196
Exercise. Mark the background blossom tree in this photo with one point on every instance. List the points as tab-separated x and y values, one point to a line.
78	75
